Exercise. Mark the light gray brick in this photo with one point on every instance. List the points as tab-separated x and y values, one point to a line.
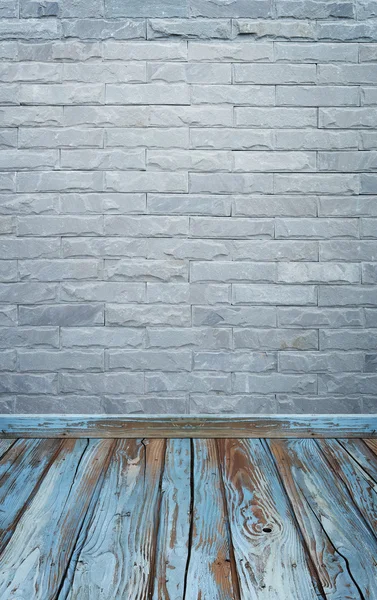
106	160
132	315
32	8
24	204
149	8
69	225
232	139
192	160
274	74
348	250
27	383
209	73
80	8
198	382
189	204
255	95
225	183
318	273
347	296
238	8
369	273
62	360
368	228
59	50
223	227
320	317
102	383
316	139
62	93
8	8
347	118
16	337
275	339
347	161
28	160
8	316
319	404
275	250
8	138
146	226
315	53
7	182
319	228
275	117
33	72
206	338
347	31
234	316
230	51
30	29
105	202
274	383
151	137
274	294
181	293
367	52
274	206
176	404
201	249
8	360
103	337
49	181
151	181
347	384
59	138
64	404
62	314
103	247
7	226
371	317
370	363
355	206
368	184
274	161
260	362
8	50
8	270
102	29
58	270
195	116
151	93
189	28
366	9
237	404
352	74
320	362
275	29
102	291
108	72
28	292
315	9
32	116
9	93
368	96
232	271
149	360
324	95
150	50
145	270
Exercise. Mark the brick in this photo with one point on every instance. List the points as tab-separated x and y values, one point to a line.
31	8
275	339
274	74
274	383
151	137
8	138
63	360
348	384
150	50
352	74
151	93
317	95
370	363
232	139
347	161
316	228
65	404
106	202
27	383
190	72
255	95
80	8
102	29
189	28
133	315
318	273
238	8
369	273
274	161
102	337
197	382
149	8
368	96
320	317
354	206
368	228
145	226
274	206
320	362
230	227
34	72
192	160
208	338
348	250
180	293
36	29
347	31
371	317
316	139
347	296
102	383
62	314
69	50
25	204
189	204
260	362
28	160
230	51
7	226
151	181
69	225
347	118
62	93
8	316
368	184
8	270
274	295
205	249
275	117
58	270
367	52
225	183
28	292
275	250
8	360
34	116
314	9
147	270
275	29
234	316
7	182
16	337
232	271
103	247
102	291
146	404
317	183
106	160
8	8
315	53
236	404
320	405
149	360
59	138
48	181
108	72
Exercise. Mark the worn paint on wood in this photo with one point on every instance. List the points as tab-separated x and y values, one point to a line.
5	445
372	445
117	556
319	487
172	550
269	554
37	555
362	453
178	426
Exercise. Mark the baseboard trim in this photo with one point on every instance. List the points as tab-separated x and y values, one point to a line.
188	426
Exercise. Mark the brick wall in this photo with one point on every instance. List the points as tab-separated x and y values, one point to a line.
188	206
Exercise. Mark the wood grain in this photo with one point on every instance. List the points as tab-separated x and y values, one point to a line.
116	558
5	445
362	453
174	530
372	445
189	426
209	572
315	489
20	482
37	555
270	557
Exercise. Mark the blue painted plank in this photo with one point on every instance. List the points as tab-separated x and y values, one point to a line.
363	455
5	445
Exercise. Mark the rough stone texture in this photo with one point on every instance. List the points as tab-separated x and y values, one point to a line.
188	215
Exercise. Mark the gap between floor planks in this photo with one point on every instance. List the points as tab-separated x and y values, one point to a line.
188	519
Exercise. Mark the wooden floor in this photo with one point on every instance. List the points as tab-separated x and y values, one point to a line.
292	519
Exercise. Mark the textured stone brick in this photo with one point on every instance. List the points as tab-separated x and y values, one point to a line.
196	382
317	95
188	204
102	291
232	139
103	337
133	315
347	31
59	138
69	225
150	50
274	206
317	228
64	360
275	250
314	9
232	271
107	72
102	29
149	8
320	317
274	74
15	337
147	270
208	338
234	316
348	250
225	183
192	160
59	50
62	314
237	404
316	53
318	273
275	339
106	202
28	292
149	360
320	362
138	181
274	29
347	118
316	139
236	8
257	362
189	28
275	117
274	161
347	296
230	51
49	181
102	383
255	95
278	382
274	294
28	383
146	226
35	29
231	228
106	160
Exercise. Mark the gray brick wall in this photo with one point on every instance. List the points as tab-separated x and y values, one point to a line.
188	206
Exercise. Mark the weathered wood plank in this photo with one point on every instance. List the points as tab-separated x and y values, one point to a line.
271	560
363	455
209	571
372	445
361	488
174	530
37	555
347	564
117	556
178	426
12	455
5	445
20	483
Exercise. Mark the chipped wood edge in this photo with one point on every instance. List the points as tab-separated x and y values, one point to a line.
188	426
